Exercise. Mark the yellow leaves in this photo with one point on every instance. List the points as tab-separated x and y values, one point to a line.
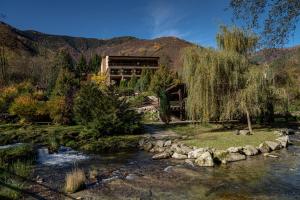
100	79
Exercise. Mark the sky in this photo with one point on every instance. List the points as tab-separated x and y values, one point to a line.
196	21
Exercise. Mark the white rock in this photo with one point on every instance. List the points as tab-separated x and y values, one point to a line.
179	156
284	140
162	155
168	143
273	145
205	160
196	153
234	149
250	150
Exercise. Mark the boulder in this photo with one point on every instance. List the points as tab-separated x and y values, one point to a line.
264	148
180	149
190	162
273	145
179	156
159	143
141	142
236	132
245	132
205	160
196	153
157	149
147	146
250	150
232	157
131	177
234	149
162	155
284	140
168	143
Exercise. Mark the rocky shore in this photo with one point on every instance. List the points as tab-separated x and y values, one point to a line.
209	156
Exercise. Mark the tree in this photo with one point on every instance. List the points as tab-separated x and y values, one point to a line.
94	63
161	79
277	17
104	111
144	81
132	82
3	67
81	67
164	107
218	81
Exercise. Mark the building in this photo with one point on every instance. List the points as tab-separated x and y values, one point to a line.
177	95
118	68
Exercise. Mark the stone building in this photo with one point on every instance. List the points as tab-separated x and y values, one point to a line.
118	68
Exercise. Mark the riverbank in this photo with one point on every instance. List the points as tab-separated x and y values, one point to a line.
76	137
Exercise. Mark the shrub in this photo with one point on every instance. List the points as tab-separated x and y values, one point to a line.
56	106
24	107
75	181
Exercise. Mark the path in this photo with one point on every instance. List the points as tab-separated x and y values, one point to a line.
158	132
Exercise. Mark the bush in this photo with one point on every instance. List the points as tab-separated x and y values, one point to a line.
56	107
104	111
75	181
24	107
9	93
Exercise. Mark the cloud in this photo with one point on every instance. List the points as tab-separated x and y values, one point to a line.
165	20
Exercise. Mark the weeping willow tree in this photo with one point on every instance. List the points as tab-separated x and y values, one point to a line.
215	78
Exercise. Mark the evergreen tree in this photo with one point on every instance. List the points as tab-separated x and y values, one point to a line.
132	82
95	64
144	81
81	67
164	106
161	79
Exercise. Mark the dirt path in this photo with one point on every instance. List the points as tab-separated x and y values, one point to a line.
159	133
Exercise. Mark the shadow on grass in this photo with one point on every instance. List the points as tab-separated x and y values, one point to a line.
29	193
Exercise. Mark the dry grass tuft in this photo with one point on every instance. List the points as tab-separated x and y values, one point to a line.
75	180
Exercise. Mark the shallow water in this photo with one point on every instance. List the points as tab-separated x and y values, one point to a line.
258	177
63	157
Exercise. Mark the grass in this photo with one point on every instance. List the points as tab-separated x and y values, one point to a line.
212	135
77	137
22	151
75	181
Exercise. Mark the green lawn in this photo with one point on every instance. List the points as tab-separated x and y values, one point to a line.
215	136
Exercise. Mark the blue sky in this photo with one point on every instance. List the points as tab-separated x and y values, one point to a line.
193	20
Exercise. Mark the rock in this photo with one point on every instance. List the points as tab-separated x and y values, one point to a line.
284	140
279	133
168	143
197	152
273	145
157	149
250	150
160	143
181	149
245	132
147	146
232	157
167	169
39	179
141	142
264	148
162	155
236	132
234	149
190	162
184	149
179	156
205	160
131	177
270	155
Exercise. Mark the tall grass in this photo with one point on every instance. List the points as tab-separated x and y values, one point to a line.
75	180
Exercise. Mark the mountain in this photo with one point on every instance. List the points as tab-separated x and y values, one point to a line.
29	44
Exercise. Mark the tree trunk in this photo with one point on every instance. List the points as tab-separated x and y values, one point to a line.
249	121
